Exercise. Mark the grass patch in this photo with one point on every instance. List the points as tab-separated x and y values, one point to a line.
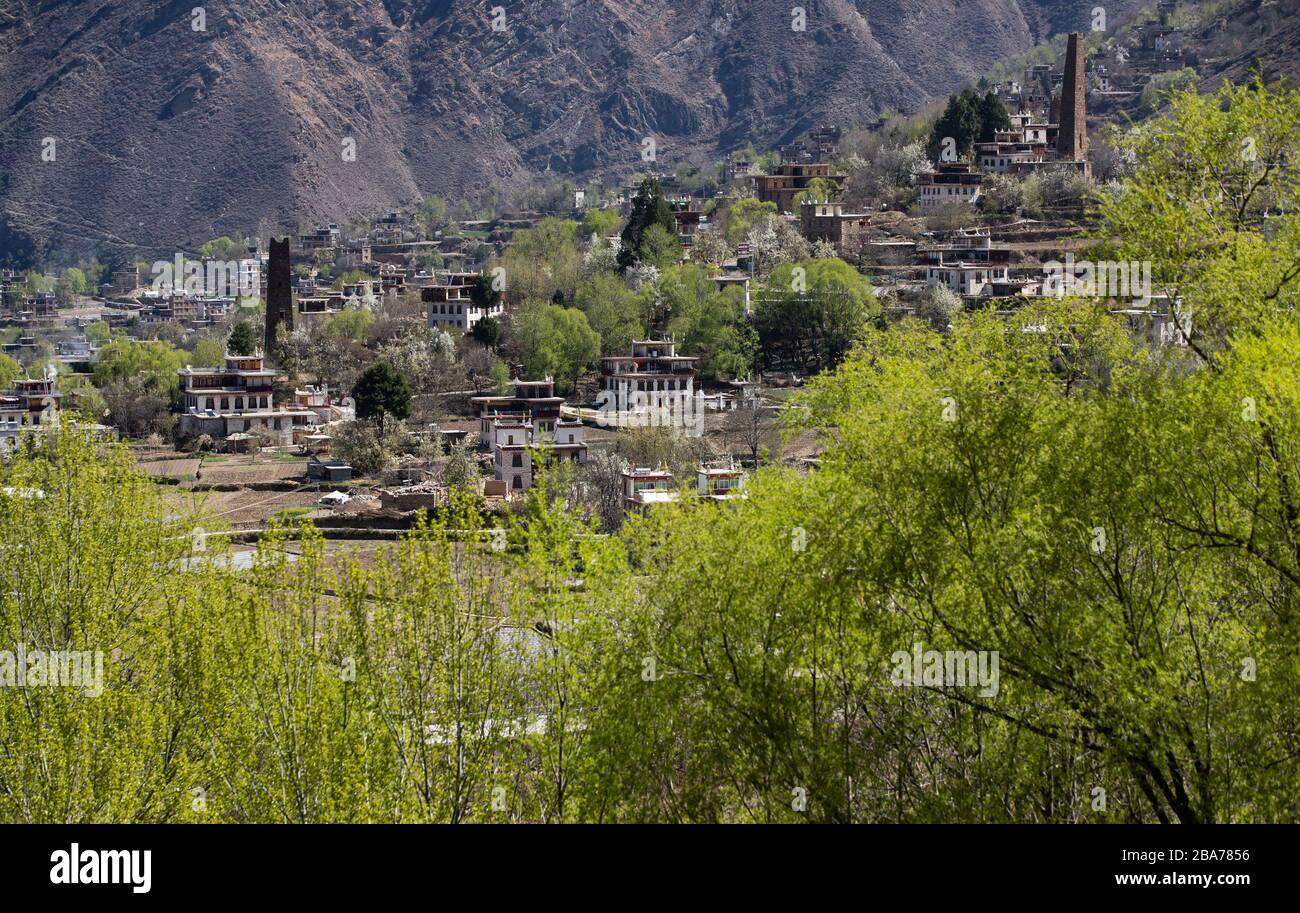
289	514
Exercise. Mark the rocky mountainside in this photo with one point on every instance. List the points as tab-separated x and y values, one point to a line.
169	128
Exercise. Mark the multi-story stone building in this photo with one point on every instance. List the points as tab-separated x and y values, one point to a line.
31	403
970	264
827	221
953	182
528	420
532	400
1024	144
451	304
518	443
652	379
792	179
719	482
238	398
644	487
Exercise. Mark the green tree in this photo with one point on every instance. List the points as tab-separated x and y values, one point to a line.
613	310
352	323
460	469
1163	86
208	353
488	332
379	392
993	117
542	259
94	569
659	248
367	445
743	215
1232	257
10	370
97	333
812	312
603	223
224	248
152	364
484	294
71	284
649	208
963	122
243	339
555	342
708	322
431	217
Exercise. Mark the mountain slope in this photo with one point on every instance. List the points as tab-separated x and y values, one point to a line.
166	136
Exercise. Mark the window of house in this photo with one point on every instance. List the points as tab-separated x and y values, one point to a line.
517	461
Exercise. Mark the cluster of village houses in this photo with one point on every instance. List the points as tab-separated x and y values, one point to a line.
235	404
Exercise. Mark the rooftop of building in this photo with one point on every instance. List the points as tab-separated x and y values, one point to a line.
646	472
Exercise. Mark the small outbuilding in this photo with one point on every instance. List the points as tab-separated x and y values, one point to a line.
319	470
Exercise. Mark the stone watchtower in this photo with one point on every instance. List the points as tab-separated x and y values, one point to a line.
1072	141
279	294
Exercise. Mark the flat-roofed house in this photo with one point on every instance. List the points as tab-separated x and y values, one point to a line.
534	400
970	264
516	426
31	403
644	487
653	376
793	178
953	182
238	398
827	221
719	483
451	304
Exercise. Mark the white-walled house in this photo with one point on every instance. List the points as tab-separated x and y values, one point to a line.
238	398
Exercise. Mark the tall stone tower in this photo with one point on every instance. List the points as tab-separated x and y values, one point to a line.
279	294
1072	141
